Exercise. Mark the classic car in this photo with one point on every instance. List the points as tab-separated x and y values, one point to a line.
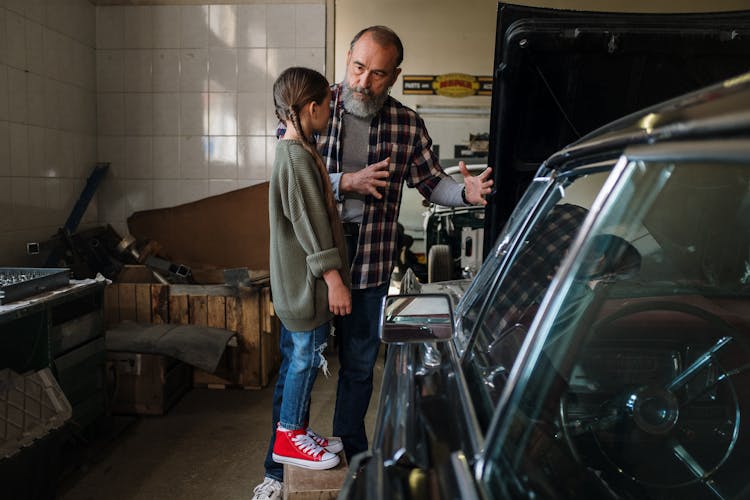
603	348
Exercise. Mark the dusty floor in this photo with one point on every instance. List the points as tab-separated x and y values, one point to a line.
210	445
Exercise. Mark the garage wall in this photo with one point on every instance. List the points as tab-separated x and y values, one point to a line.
176	97
184	97
47	118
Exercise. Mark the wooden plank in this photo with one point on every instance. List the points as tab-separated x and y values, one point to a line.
111	304
143	302
265	309
233	314
249	338
178	310
198	307
216	318
127	301
234	319
224	290
159	304
217	314
209	380
135	273
266	337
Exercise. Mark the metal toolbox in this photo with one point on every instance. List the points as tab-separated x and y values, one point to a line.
20	282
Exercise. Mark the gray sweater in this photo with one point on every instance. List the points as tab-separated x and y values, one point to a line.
302	244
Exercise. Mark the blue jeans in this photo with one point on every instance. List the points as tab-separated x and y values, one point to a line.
358	345
301	356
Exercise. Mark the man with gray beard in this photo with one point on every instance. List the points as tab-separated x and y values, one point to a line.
372	146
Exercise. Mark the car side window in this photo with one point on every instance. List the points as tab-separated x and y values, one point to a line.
474	300
510	307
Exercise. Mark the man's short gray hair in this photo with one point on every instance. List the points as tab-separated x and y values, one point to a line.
383	36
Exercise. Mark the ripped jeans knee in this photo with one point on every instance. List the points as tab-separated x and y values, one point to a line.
323	361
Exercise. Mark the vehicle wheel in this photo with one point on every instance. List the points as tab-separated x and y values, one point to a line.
439	264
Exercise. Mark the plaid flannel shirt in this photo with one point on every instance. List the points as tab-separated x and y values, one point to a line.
400	133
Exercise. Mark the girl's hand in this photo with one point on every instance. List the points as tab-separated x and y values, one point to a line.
339	296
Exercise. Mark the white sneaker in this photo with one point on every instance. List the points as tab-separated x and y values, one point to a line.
331	444
269	489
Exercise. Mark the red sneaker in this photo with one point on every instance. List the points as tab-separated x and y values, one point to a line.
332	444
297	448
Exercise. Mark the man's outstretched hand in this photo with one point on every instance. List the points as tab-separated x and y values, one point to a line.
477	186
368	180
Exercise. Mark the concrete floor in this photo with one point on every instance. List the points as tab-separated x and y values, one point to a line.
210	445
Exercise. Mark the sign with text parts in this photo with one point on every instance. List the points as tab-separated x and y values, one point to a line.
448	85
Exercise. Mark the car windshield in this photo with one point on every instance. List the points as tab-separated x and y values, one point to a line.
634	368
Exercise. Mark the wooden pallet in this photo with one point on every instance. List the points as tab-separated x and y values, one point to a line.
251	364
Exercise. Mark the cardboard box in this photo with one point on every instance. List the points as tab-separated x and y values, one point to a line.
229	230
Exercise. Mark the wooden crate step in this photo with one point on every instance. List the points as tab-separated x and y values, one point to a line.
306	484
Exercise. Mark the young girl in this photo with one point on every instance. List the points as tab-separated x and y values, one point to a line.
309	271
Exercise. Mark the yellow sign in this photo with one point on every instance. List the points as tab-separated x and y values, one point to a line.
455	85
449	85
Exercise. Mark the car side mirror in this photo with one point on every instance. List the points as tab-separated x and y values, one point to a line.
416	318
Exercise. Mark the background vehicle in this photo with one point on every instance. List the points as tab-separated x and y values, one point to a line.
454	236
446	241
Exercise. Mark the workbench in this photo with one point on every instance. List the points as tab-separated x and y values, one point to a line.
62	329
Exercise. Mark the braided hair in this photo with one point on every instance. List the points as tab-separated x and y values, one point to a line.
293	89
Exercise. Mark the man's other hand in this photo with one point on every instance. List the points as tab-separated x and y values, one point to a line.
477	186
368	180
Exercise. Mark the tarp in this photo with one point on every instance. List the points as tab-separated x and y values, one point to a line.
199	346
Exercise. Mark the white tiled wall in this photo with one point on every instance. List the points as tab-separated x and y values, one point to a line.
176	98
184	102
47	118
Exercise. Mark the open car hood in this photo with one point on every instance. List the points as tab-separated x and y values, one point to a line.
559	74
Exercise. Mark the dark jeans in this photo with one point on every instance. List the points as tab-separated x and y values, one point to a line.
358	345
301	357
